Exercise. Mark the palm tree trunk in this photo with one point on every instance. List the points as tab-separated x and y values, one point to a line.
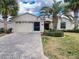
5	25
55	22
76	16
75	24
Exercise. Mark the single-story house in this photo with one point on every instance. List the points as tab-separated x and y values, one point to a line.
28	23
31	23
9	24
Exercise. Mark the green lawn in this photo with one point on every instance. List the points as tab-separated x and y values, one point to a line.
66	47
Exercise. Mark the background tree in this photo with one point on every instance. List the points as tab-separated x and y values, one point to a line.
8	8
74	6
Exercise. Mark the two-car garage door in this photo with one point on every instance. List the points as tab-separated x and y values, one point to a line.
27	27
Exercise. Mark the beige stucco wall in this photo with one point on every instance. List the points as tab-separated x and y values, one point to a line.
26	17
69	25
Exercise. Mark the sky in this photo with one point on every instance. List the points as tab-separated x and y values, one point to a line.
33	6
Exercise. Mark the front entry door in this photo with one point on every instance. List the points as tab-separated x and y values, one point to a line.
36	26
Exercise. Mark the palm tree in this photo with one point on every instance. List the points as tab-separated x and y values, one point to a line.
53	10
74	5
8	8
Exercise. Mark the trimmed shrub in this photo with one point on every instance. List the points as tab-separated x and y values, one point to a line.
9	30
1	30
46	32
54	33
73	31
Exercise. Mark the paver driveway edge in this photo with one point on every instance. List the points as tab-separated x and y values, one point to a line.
7	35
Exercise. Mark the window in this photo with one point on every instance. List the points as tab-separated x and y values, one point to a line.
36	26
76	14
63	25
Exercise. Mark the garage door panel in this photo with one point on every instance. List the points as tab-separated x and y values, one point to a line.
26	27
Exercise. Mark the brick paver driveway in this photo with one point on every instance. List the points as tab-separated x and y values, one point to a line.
21	46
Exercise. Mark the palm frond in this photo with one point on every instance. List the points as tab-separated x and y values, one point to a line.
8	7
70	18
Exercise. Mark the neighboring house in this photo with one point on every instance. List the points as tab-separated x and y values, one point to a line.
28	23
9	24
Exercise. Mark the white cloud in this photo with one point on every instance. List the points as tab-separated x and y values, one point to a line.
27	7
33	7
